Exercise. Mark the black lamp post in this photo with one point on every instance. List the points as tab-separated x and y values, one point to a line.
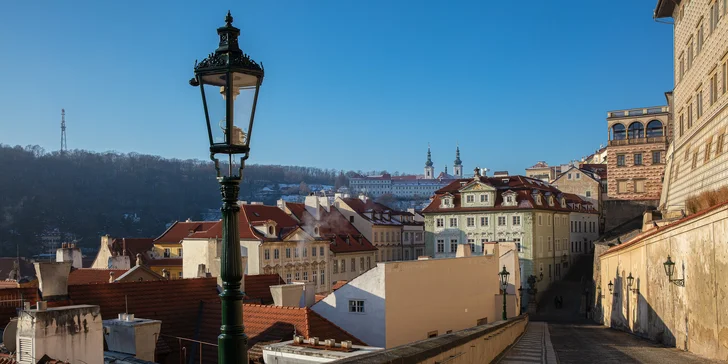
229	82
504	284
611	287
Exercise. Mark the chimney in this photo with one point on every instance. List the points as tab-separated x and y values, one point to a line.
201	271
111	277
74	333
312	206
363	197
287	295
119	262
133	336
282	205
69	253
53	279
165	273
138	259
308	297
463	251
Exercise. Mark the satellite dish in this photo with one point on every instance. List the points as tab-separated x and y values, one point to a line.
10	333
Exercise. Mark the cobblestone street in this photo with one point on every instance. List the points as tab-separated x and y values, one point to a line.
597	344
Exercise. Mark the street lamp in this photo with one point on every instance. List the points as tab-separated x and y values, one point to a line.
670	270
630	282
504	284
229	82
611	288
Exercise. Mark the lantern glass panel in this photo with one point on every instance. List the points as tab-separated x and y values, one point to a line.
669	267
216	110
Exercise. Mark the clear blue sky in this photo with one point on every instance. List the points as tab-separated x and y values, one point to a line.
349	85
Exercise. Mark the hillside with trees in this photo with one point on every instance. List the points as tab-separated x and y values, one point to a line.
88	194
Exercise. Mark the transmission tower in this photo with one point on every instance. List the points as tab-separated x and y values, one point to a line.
64	146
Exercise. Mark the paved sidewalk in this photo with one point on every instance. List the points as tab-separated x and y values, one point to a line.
533	347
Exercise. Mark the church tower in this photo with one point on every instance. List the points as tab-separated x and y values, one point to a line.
458	167
429	169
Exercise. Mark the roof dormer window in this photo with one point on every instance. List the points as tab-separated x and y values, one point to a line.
271	230
551	201
316	231
538	199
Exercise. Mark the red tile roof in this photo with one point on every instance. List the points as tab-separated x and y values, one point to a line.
91	275
250	215
131	247
338	284
264	324
524	188
257	287
343	236
182	229
362	208
164	262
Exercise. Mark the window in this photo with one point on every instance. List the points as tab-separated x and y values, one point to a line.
713	88
682	124
621	186
179	252
305	252
509	199
639	186
295	252
687	153
540	222
682	67
369	262
470	198
690	53
578	175
351	219
323	280
361	263
167	252
321	251
353	264
618	132
483	198
719	143
387	237
440	222
336	266
699	106
276	254
305	276
343	266
288	278
638	159
548	239
588	193
701	37
708	149
501	220
516	220
440	245
636	130
724	79
453	222
518	243
313	251
548	220
568	176
656	157
356	306
621	160
453	245
313	277
288	252
695	160
714	15
266	253
484	221
690	114
470	221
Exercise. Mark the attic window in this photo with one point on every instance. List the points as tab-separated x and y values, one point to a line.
463	184
270	230
505	180
509	199
256	214
538	199
316	230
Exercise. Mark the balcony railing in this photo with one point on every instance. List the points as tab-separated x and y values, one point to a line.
659	139
638	112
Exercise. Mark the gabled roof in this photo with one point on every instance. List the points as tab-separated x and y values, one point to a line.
182	229
131	246
588	173
361	208
665	8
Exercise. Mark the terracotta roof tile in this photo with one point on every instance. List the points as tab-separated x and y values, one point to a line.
338	284
91	275
251	214
182	229
343	236
257	287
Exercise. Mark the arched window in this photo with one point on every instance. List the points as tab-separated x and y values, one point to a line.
618	132
270	230
654	129
636	130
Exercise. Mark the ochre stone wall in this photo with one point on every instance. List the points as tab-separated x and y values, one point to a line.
690	316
